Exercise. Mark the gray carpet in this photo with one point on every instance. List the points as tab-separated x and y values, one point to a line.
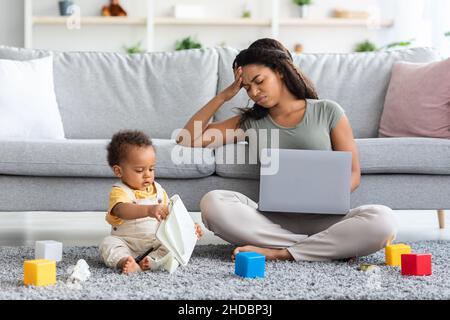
210	275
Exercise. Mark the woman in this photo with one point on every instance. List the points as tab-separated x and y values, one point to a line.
286	100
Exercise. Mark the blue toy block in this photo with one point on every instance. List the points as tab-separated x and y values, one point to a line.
250	265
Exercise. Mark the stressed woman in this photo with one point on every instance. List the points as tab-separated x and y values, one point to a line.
286	101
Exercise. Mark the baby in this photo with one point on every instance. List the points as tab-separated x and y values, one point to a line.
136	204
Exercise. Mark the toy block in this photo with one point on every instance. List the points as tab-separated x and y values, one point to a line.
250	265
48	249
367	267
39	272
416	264
393	253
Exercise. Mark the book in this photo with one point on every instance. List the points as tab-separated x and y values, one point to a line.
177	231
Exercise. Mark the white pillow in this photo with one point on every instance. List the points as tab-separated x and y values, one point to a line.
28	107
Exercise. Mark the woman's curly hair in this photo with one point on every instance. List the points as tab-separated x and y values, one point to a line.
272	54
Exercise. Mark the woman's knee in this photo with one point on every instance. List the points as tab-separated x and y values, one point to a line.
211	207
385	224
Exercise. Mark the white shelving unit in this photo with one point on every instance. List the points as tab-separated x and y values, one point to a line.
42	20
332	22
212	22
149	21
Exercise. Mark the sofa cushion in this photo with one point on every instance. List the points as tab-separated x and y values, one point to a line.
87	158
357	81
377	155
404	155
418	101
100	93
233	161
28	107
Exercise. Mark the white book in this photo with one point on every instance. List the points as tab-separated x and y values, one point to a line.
177	231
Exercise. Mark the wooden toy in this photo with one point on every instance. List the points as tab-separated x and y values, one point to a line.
48	250
416	264
39	272
250	265
393	253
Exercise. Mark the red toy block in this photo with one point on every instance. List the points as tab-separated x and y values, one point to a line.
416	264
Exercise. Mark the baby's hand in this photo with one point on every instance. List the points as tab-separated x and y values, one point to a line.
198	231
158	211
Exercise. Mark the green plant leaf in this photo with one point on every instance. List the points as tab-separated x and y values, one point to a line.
302	2
246	14
397	44
447	34
365	46
134	49
187	43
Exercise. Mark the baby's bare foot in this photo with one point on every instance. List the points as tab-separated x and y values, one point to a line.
145	264
130	266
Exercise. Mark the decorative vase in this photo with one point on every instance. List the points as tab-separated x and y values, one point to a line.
303	11
64	7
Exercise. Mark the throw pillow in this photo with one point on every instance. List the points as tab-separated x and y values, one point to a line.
417	102
28	107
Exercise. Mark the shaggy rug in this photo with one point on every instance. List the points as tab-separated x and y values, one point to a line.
210	275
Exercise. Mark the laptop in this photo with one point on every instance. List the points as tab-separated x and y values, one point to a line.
305	181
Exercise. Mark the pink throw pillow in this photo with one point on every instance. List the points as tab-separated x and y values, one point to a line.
417	102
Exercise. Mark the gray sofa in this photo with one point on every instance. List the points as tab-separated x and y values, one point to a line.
100	93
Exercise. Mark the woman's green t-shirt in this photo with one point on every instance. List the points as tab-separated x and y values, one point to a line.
311	133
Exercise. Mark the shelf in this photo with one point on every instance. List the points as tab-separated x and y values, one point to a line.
324	22
333	22
213	22
271	26
43	20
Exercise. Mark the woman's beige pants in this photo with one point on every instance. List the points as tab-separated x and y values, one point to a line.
312	237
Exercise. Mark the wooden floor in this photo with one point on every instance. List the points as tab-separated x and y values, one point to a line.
88	228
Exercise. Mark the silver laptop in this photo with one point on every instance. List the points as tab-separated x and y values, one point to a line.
305	181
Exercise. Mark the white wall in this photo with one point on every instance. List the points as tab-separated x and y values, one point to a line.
113	38
11	22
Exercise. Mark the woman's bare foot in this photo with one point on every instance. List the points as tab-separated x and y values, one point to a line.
145	264
270	254
129	265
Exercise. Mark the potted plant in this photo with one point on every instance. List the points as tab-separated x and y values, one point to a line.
64	6
303	6
246	12
134	49
187	43
367	46
397	44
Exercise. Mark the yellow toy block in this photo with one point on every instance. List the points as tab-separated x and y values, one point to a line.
393	253
39	272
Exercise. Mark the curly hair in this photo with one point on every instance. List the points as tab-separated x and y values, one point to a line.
121	141
272	54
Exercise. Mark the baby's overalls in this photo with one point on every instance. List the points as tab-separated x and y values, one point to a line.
134	237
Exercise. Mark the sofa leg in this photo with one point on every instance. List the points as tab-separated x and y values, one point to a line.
441	218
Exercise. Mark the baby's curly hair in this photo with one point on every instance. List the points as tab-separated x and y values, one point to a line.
117	148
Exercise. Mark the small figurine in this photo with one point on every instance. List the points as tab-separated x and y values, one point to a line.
114	9
298	48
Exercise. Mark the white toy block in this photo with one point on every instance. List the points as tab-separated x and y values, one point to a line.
49	250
